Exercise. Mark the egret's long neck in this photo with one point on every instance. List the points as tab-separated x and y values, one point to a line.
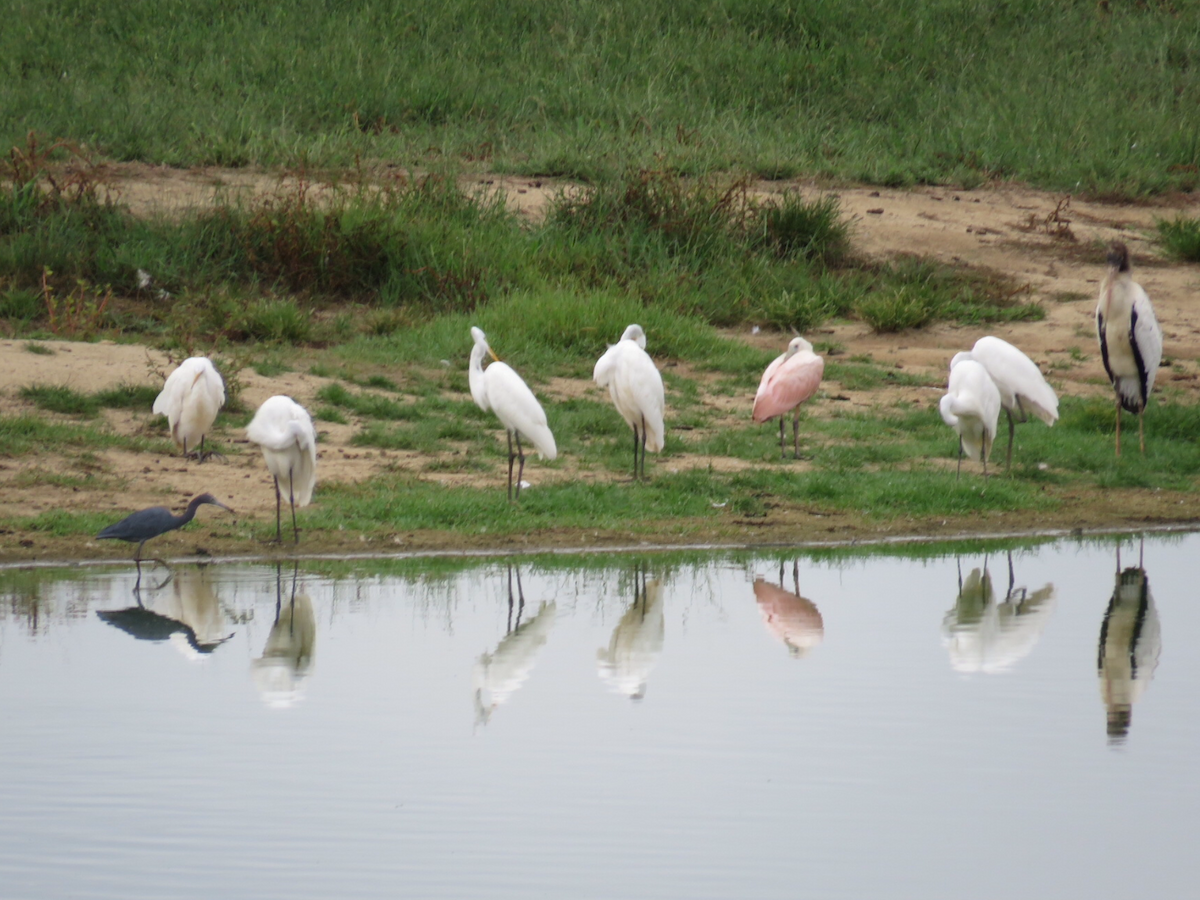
475	375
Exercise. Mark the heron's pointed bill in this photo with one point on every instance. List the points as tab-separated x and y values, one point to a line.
492	354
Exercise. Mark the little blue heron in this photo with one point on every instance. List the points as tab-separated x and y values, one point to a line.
144	524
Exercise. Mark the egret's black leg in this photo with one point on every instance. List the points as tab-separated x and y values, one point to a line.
292	500
508	628
520	590
643	447
278	513
511	457
635	443
958	471
520	475
1011	429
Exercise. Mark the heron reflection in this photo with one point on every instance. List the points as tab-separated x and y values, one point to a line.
287	659
189	617
986	633
1130	642
637	641
793	619
498	675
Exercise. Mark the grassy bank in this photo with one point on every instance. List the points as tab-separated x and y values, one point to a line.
1071	95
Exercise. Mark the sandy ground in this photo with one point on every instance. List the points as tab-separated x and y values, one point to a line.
1050	246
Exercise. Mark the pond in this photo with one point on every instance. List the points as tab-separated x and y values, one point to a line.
920	722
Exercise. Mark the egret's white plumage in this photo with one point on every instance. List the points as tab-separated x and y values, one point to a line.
501	390
498	675
1023	390
636	644
190	399
1130	338
636	388
287	659
788	381
984	633
284	432
971	407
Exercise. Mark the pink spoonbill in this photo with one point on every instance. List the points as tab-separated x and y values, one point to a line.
788	381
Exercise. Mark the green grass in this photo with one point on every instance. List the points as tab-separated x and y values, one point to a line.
21	435
1181	237
68	401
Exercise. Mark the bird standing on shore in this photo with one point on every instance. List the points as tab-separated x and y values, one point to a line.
144	524
1022	388
636	388
1130	339
501	390
788	381
971	407
284	432
190	399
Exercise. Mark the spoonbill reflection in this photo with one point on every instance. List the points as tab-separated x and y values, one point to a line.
189	618
287	659
983	635
498	675
1130	642
637	641
790	617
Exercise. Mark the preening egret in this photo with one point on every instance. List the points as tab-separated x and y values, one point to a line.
501	390
284	432
144	524
190	399
788	381
1130	339
1130	642
793	619
636	388
1022	388
287	658
637	641
971	407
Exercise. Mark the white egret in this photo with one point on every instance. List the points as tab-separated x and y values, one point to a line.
1130	339
190	399
284	432
636	388
789	380
637	641
971	407
1022	388
502	391
282	671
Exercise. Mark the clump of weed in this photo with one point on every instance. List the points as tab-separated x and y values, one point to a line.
795	228
127	396
1181	237
60	399
278	320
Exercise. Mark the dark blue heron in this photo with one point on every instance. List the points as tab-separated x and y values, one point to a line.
144	524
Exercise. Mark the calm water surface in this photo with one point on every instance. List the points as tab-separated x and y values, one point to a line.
674	726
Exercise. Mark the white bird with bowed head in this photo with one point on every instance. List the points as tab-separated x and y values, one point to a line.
1022	388
190	399
971	407
636	388
500	390
284	432
1131	342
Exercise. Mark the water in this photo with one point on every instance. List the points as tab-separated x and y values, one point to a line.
650	726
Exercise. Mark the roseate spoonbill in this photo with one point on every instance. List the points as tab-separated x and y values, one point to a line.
791	379
190	399
793	619
501	390
284	432
971	407
144	524
636	388
1022	388
1130	339
1130	642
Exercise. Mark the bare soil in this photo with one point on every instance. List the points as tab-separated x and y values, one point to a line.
1049	246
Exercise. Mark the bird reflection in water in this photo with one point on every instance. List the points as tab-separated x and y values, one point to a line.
498	675
1130	641
790	617
984	633
637	641
287	659
189	617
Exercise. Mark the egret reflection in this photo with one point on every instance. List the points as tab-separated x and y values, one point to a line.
498	675
637	641
1130	642
189	616
793	619
287	659
986	633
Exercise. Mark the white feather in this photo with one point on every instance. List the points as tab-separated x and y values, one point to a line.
284	432
190	399
634	384
499	389
971	407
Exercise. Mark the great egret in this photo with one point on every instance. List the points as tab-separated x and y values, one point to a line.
1130	339
1022	388
636	388
788	381
637	641
284	432
1130	643
144	524
287	658
190	399
971	407
502	391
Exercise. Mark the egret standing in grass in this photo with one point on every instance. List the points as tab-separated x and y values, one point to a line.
788	381
284	432
144	524
502	391
190	399
1130	339
971	407
636	388
1022	388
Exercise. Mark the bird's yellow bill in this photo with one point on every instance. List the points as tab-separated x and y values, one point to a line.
493	355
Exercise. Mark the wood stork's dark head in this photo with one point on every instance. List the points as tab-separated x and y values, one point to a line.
1118	256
